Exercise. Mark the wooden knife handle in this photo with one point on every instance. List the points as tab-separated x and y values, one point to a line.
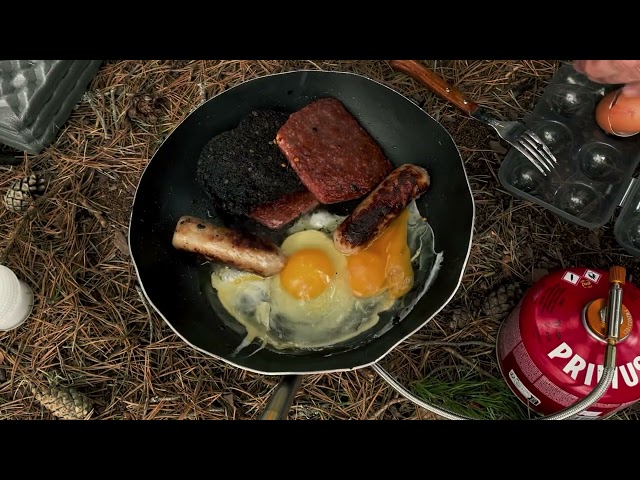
435	83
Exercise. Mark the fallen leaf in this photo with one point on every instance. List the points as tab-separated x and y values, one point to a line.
120	242
229	398
367	373
237	411
506	260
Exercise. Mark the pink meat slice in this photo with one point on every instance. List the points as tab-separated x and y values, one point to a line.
287	208
334	157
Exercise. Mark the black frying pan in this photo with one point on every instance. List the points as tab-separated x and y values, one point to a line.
177	284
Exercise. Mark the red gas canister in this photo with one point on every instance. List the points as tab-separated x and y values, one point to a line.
551	348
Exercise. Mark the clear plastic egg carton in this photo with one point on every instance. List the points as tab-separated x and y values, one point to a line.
595	171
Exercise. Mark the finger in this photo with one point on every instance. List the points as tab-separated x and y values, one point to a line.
617	71
595	70
610	71
631	89
578	65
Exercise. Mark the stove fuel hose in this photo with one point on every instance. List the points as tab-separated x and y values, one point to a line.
598	391
613	319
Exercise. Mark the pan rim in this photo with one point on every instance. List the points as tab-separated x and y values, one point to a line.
308	371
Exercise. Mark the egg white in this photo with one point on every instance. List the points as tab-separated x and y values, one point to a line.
272	316
332	304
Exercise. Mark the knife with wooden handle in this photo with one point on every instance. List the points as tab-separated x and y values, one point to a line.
435	83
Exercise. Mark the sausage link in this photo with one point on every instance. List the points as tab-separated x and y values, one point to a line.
241	250
385	202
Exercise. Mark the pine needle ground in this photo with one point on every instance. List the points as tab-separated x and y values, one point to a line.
92	330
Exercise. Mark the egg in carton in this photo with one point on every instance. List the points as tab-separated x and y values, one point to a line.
595	167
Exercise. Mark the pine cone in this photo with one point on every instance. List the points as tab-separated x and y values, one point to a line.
502	300
64	402
145	108
23	192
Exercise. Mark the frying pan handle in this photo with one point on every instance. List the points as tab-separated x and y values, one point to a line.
281	400
435	83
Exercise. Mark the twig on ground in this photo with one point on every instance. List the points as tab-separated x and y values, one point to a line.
381	411
464	359
114	112
89	98
157	399
97	214
441	343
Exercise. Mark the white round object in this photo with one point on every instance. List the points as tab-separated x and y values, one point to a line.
16	300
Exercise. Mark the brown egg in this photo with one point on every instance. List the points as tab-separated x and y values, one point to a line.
619	115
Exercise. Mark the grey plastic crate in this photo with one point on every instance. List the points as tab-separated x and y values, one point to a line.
595	171
37	97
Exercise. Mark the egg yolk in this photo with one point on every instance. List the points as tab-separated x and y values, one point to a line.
307	273
366	273
385	264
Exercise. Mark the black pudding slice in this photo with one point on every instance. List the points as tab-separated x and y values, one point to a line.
243	167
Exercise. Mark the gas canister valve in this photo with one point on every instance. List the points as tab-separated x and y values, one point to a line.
607	319
617	277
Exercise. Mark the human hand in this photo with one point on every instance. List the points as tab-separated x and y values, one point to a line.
613	71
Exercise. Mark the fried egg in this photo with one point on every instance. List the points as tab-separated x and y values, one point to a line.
323	297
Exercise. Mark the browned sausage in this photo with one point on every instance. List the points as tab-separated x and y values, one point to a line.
241	250
385	202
